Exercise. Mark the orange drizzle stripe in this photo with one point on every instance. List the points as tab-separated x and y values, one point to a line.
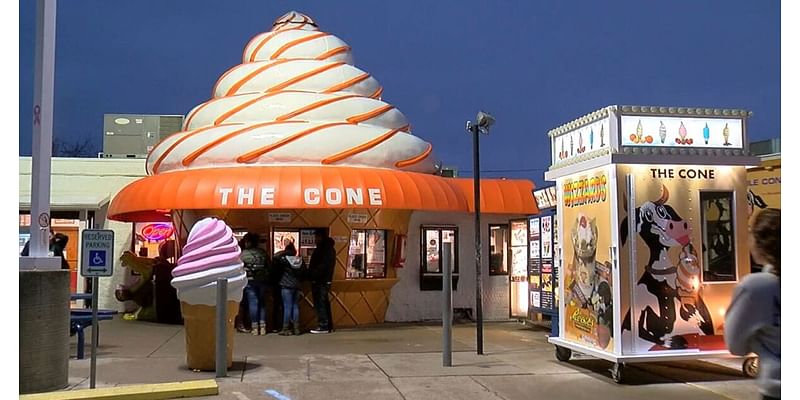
295	42
196	111
312	106
238	85
241	107
247	157
363	147
177	142
369	115
303	76
412	161
377	93
197	153
346	84
333	52
216	84
261	44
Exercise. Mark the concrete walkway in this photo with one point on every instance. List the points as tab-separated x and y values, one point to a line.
394	361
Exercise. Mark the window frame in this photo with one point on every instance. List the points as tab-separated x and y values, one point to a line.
506	250
423	248
710	195
364	253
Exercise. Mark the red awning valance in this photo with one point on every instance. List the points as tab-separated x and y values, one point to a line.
296	187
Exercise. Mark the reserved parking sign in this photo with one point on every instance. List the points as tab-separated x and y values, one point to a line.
97	252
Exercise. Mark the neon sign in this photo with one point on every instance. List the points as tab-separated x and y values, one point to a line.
157	232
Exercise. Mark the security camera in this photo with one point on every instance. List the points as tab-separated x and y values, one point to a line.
484	120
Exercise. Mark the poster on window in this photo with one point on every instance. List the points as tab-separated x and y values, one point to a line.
536	299
376	247
587	226
519	263
307	238
534	227
281	239
432	250
535	246
547	237
519	234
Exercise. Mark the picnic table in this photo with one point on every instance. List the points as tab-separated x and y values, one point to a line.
80	318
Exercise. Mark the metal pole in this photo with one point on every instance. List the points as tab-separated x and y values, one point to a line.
478	281
95	333
447	305
222	350
42	146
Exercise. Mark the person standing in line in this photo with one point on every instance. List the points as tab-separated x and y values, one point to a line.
293	270
321	267
753	320
255	260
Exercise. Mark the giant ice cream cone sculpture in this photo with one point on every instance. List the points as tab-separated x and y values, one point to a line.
211	252
295	99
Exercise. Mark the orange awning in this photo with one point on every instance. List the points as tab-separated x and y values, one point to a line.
297	187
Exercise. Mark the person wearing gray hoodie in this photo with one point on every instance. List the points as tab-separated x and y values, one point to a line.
753	320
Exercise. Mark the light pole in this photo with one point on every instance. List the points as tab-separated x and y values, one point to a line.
481	126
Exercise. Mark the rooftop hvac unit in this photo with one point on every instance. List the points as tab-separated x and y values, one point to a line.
134	135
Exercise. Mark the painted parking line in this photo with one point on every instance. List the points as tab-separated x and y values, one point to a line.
276	394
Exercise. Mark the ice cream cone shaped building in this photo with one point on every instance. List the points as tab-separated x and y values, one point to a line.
295	138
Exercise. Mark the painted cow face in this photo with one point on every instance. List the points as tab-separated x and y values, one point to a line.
661	223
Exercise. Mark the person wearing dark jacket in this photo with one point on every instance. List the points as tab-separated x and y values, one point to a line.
293	271
753	320
323	261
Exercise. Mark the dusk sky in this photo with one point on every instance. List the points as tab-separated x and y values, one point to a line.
533	64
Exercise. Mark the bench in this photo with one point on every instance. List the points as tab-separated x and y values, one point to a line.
80	318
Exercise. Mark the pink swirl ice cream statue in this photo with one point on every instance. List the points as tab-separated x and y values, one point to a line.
211	253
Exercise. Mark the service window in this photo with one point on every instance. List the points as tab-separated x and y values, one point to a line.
498	249
432	239
367	254
719	252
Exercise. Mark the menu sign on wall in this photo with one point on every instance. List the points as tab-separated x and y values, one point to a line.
542	271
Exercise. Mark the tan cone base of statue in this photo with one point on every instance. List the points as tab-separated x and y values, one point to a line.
198	322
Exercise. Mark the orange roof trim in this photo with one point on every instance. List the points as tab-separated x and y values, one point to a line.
300	187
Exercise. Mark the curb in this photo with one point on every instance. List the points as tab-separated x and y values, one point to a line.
169	390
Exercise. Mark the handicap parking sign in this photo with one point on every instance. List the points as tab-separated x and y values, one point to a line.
97	258
97	252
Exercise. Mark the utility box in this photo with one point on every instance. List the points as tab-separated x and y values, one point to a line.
134	135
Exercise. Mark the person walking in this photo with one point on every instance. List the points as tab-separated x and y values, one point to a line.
293	270
255	260
753	319
321	266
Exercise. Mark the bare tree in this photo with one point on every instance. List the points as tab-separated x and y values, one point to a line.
75	148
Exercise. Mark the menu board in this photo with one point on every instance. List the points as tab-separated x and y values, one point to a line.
542	268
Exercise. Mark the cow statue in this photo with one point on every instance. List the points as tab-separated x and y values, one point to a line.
668	298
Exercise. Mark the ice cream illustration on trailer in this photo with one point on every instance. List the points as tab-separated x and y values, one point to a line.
602	136
726	133
571	146
581	147
706	133
591	138
211	253
662	132
682	133
295	98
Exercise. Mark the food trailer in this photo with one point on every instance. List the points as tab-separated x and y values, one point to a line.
652	212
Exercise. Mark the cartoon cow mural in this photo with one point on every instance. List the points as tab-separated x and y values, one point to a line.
666	286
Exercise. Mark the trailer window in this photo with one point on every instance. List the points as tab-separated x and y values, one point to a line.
719	252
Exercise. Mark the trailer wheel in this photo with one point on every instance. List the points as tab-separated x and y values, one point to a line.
563	353
750	367
617	372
